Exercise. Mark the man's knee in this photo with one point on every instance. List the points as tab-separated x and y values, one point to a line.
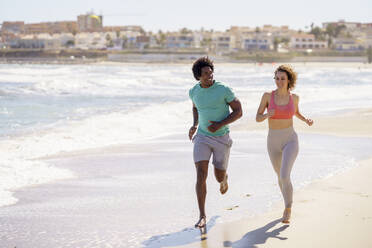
220	174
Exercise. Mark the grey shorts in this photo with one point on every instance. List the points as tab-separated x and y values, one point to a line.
219	146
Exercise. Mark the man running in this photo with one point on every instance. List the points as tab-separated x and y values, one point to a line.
212	101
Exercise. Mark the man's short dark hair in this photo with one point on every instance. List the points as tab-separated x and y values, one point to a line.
199	64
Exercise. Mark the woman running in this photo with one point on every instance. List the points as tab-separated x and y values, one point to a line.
282	141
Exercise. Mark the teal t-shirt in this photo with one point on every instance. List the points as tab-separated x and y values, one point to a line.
212	105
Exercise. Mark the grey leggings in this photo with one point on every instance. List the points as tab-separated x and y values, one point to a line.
282	145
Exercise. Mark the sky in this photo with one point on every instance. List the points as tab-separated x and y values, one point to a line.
171	15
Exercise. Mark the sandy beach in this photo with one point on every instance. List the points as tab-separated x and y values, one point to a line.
333	212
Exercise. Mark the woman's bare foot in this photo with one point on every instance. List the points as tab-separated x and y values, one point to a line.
202	222
224	186
286	215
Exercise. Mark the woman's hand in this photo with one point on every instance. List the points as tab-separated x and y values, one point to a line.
192	131
309	122
270	113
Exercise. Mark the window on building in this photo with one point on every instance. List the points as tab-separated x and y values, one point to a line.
223	45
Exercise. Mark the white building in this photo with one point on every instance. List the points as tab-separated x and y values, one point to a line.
306	41
348	44
257	41
95	40
223	41
129	38
365	39
179	40
42	41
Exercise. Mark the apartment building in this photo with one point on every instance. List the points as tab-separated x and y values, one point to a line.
12	30
180	40
347	44
44	41
51	27
90	23
259	38
93	40
257	41
348	25
13	27
306	41
223	41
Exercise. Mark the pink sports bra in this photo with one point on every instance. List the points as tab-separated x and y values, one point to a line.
282	111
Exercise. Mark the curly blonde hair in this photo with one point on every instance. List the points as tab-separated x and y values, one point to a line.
291	75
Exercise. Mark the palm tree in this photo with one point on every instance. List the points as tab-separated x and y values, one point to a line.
277	41
161	38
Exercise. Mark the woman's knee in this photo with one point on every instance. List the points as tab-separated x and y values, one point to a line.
285	180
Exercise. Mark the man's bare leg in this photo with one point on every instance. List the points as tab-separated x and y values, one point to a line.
201	190
221	177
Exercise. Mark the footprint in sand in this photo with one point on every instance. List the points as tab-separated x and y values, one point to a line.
360	194
232	208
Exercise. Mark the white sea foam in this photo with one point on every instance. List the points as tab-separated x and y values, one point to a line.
18	167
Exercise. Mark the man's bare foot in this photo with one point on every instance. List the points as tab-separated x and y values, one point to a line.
202	222
286	215
224	186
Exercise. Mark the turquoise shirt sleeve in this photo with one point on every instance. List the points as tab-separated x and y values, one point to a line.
229	95
190	94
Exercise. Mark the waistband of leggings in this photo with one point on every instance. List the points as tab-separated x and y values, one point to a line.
288	130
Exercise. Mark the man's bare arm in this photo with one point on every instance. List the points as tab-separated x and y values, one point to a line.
194	126
236	113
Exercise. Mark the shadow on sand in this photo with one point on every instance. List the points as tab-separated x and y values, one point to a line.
186	236
258	236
